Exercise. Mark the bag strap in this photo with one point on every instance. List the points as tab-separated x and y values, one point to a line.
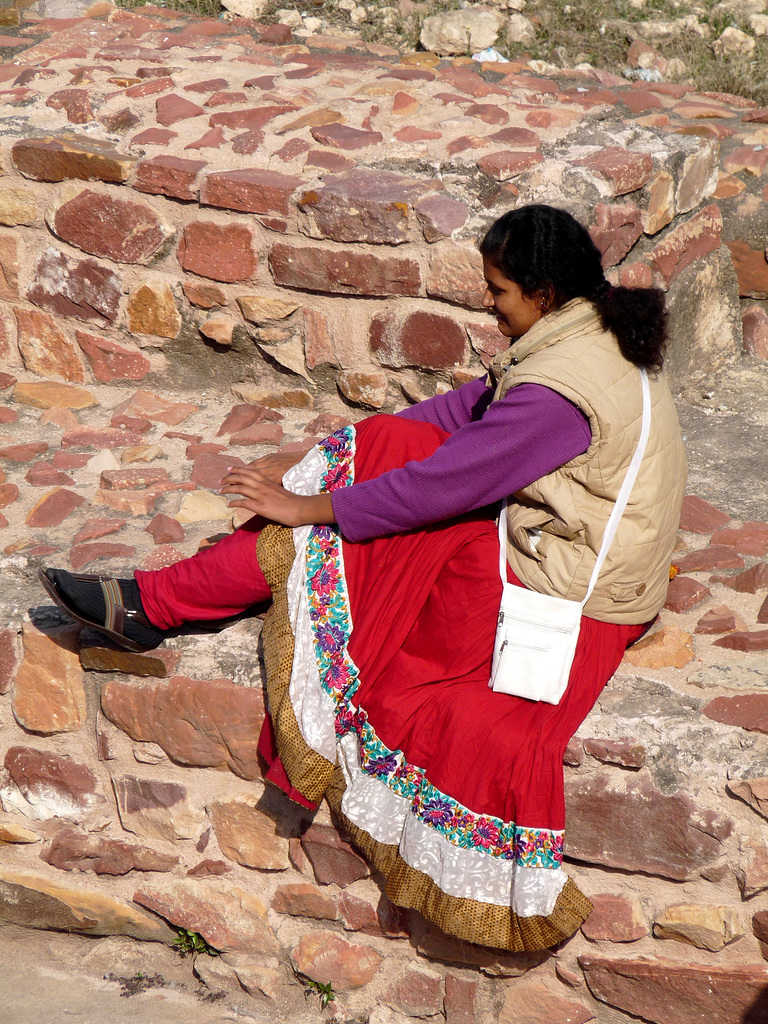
619	505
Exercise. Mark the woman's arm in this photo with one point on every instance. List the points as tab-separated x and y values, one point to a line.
529	433
455	409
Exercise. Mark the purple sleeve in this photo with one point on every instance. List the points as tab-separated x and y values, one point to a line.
454	409
531	432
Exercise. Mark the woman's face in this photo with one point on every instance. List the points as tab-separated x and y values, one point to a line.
515	312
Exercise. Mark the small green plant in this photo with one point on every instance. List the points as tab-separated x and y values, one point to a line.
192	942
324	992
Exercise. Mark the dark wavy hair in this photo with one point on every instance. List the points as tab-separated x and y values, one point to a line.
548	252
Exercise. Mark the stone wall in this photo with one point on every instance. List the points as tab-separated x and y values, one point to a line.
268	241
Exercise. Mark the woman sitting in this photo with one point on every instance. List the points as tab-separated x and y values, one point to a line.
386	590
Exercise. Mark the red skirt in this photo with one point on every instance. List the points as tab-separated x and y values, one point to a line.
455	792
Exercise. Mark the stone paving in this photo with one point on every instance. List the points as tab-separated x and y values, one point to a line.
148	344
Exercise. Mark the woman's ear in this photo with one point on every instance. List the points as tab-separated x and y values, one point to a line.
545	297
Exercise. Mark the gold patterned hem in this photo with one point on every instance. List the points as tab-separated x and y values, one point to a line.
485	924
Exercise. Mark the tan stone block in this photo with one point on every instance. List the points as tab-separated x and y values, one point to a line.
50	395
661	204
12	833
9	265
324	957
34	901
753	792
706	927
200	506
248	836
141	453
219	329
300	899
260	308
152	310
201	722
16	206
154	809
530	1002
229	919
670	646
368	389
49	695
46	349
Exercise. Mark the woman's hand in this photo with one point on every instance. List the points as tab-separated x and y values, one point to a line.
272	501
275	466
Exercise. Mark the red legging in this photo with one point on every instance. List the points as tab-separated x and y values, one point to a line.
217	582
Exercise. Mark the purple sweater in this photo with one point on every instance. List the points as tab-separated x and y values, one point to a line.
494	450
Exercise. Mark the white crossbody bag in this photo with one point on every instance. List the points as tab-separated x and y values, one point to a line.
536	634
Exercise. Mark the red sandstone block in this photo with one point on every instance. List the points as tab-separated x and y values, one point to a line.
317	269
173	108
43	474
328	160
8	494
615	230
343	136
23	452
223	252
687	242
54	507
718	556
8	415
747	582
507	164
259	433
149	88
165	530
99	437
718	620
169	176
122	230
684	594
98	527
747	711
110	361
490	113
248	143
420	339
252	119
744	640
519	137
625	170
698	516
252	191
81	555
412	134
209	85
154	137
750	539
209	469
363	206
623	752
75	103
131	479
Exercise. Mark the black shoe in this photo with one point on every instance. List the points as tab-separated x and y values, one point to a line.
111	606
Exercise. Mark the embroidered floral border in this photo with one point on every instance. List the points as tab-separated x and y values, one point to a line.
332	627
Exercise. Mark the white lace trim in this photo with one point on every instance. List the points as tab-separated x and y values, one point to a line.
369	803
312	706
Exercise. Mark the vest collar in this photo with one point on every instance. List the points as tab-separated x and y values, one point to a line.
576	316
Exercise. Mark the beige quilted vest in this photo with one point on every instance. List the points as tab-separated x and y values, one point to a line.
570	352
